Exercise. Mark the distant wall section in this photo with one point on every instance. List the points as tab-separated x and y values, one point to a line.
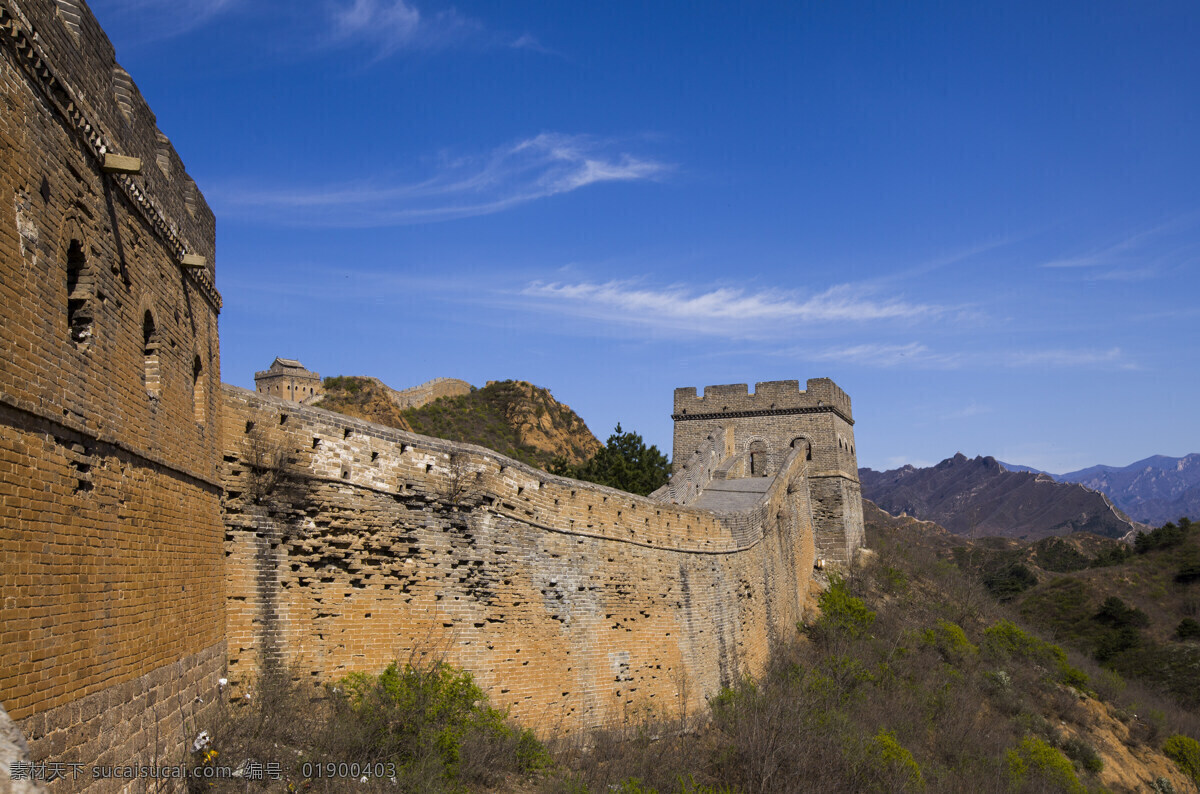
574	605
429	391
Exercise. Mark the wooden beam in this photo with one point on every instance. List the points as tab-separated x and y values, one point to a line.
120	164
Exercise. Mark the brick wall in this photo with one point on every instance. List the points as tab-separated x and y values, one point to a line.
429	391
573	604
110	555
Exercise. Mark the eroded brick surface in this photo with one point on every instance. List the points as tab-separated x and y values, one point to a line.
351	545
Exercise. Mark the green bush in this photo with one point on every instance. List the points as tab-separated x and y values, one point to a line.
1188	573
625	462
1164	537
1006	640
1185	752
1082	753
894	580
892	757
1056	554
1036	760
842	613
951	642
416	716
1188	629
1113	555
1113	643
1010	581
1116	613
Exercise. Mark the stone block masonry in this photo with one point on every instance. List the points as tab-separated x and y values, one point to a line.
350	545
112	615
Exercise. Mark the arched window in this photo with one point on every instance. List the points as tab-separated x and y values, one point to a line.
199	393
150	345
80	289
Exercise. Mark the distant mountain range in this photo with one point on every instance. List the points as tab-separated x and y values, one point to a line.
1153	490
982	498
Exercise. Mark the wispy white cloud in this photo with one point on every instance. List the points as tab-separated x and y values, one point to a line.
1135	257
912	354
164	19
723	310
546	165
388	26
1062	357
527	41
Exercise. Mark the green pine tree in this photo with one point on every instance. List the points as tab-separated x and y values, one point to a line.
625	462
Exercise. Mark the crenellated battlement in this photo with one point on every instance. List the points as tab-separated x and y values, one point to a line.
64	50
774	397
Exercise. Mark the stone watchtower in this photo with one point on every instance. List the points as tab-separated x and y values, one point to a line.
761	428
288	379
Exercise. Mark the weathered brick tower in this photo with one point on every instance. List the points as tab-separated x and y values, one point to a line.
112	615
760	429
287	379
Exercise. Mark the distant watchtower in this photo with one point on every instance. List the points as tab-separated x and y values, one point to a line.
761	428
287	378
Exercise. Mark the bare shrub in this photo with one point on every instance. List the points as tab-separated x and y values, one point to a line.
266	463
462	485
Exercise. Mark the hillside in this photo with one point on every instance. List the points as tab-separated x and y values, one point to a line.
1133	609
979	498
1154	490
363	398
514	418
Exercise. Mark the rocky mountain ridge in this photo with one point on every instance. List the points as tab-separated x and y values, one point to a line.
1152	490
979	497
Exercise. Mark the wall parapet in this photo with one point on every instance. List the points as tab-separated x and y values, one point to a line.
694	474
770	398
124	124
358	454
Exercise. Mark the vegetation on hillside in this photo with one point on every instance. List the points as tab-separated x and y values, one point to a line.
914	678
1132	607
514	418
363	398
625	462
416	727
1134	614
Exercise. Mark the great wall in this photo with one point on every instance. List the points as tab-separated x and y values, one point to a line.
162	531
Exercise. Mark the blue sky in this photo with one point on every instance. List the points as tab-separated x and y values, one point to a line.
981	219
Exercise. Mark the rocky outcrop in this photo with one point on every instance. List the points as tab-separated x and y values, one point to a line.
14	750
545	424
